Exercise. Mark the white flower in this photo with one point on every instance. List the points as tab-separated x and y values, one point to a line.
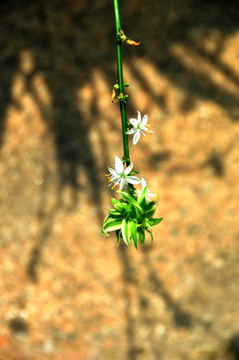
120	176
149	196
139	126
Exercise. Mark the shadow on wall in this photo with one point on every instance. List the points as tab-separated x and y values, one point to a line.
233	347
69	40
147	317
59	38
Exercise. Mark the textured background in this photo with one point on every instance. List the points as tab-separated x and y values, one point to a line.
66	291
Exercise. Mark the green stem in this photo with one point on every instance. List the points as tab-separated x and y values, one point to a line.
121	82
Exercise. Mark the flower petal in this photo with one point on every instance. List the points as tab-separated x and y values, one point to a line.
143	183
134	122
139	117
150	196
119	166
133	180
112	172
115	179
131	131
144	128
128	169
145	120
136	137
141	131
122	183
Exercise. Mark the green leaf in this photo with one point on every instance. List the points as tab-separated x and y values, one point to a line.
150	208
112	225
108	217
121	207
104	232
141	235
115	214
151	234
114	201
151	205
142	194
117	232
155	221
133	232
150	213
138	209
126	232
143	204
126	196
142	200
132	212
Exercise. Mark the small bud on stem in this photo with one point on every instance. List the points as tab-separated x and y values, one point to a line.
123	37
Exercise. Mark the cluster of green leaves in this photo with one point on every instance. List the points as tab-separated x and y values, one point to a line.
131	217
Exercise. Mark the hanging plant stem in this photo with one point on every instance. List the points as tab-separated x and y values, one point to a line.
120	82
133	213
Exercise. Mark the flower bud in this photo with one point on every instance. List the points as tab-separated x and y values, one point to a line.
113	96
132	42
